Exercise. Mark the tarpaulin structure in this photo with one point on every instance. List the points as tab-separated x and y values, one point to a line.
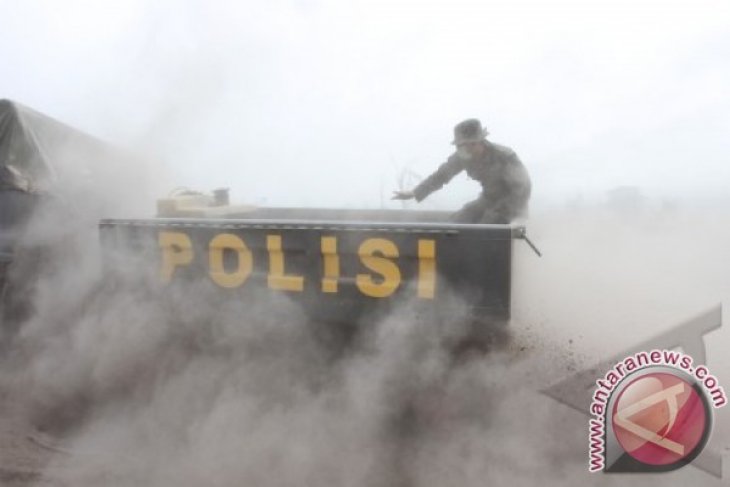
56	182
42	159
39	153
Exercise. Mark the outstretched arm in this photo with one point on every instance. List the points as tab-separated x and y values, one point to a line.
445	173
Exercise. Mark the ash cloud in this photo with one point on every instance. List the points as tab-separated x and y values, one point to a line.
231	394
139	388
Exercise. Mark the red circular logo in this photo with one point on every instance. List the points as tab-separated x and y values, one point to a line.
660	419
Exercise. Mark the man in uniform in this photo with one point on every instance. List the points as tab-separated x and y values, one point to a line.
505	183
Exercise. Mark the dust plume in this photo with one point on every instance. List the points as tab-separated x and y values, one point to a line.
140	388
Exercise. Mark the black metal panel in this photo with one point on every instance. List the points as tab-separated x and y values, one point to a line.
472	260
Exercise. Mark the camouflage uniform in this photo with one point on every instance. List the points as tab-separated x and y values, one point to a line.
505	184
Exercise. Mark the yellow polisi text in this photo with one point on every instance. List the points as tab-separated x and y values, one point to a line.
379	256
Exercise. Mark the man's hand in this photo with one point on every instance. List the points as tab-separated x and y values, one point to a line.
403	195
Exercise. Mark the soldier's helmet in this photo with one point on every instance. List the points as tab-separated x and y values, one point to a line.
469	130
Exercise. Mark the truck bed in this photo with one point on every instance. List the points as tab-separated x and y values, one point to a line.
338	264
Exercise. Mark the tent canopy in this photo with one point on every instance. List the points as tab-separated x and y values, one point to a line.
39	153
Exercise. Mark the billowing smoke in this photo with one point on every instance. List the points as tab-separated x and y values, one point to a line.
118	384
104	383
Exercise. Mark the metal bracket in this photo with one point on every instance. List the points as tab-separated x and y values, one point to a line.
529	242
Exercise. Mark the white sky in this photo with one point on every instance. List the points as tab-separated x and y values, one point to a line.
324	103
